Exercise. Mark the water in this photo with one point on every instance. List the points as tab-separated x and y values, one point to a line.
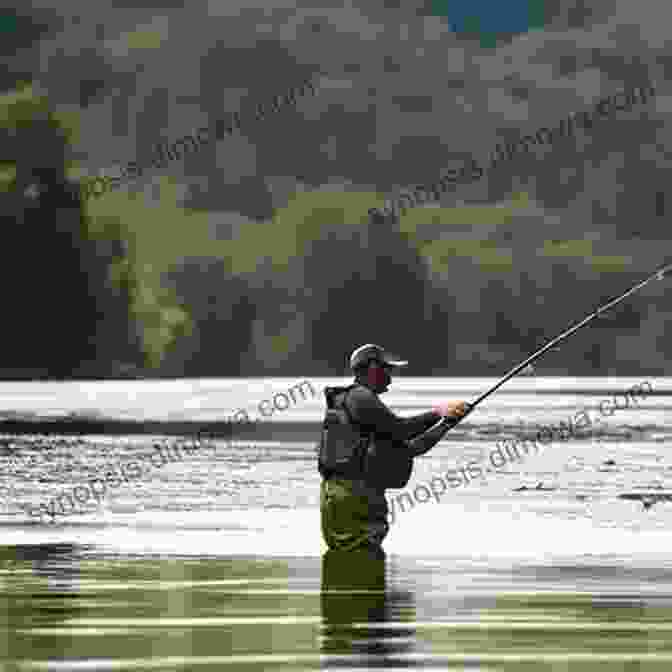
216	559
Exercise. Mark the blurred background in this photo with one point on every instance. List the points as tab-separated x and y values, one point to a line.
253	262
256	255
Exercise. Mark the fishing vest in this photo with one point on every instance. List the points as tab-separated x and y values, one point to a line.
342	447
347	451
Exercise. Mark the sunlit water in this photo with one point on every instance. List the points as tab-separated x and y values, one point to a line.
217	560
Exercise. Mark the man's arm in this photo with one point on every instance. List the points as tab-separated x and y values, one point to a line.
426	441
367	409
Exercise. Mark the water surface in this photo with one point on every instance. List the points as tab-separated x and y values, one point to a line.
216	560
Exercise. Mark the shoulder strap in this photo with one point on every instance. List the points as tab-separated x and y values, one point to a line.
345	405
346	409
352	421
364	437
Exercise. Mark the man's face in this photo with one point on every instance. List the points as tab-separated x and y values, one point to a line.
379	376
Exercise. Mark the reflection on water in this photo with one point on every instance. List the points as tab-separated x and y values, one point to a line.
68	608
356	603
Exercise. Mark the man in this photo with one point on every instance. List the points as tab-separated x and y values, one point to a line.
365	448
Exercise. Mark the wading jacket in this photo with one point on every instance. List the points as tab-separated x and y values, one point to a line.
394	440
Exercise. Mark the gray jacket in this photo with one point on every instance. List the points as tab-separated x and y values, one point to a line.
396	440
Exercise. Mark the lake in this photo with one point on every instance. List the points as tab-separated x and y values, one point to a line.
215	561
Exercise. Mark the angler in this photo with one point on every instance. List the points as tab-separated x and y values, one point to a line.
365	448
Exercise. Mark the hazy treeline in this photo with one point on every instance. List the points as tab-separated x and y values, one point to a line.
242	278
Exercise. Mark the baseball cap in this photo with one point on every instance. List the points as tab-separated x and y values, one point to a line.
365	353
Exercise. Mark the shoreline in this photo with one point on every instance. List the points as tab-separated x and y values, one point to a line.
111	427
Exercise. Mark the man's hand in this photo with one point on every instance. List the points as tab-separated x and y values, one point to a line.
451	409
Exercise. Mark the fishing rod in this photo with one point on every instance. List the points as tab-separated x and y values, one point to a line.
659	275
